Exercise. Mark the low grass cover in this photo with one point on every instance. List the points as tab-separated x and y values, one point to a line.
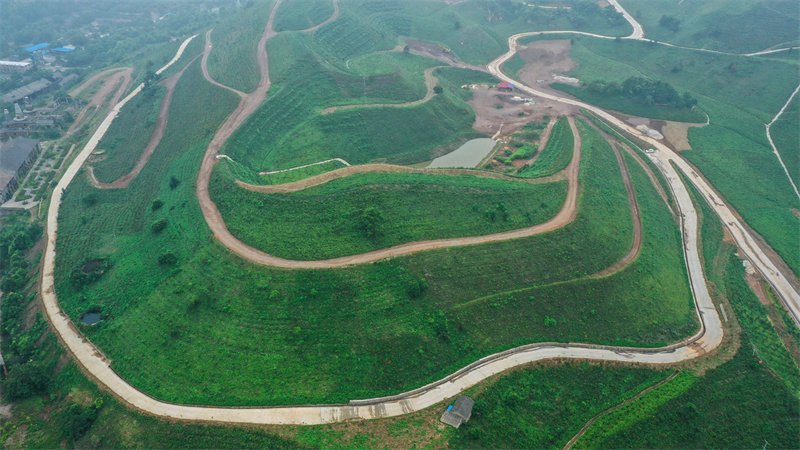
786	135
557	153
720	24
703	417
232	62
369	211
658	275
277	323
288	131
543	407
129	134
301	14
739	94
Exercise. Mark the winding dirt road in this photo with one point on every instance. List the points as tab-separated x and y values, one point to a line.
155	138
343	172
636	246
204	67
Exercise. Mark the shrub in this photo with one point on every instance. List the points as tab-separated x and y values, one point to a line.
168	259
157	204
173	182
158	226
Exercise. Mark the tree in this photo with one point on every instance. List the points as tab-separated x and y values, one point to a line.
370	222
438	90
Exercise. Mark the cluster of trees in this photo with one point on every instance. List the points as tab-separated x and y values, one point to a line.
644	92
27	375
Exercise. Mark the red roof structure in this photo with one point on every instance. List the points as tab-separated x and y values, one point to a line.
505	85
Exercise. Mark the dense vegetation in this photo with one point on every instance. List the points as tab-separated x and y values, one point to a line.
543	407
639	97
335	219
557	153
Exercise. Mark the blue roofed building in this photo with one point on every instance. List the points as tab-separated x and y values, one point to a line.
37	47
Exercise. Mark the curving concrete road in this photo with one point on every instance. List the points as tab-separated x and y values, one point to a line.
664	157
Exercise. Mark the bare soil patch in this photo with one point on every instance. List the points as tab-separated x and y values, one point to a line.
495	109
545	59
677	133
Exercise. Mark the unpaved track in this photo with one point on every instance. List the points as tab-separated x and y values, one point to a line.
616	407
636	246
565	216
664	157
155	138
77	91
343	172
430	83
91	360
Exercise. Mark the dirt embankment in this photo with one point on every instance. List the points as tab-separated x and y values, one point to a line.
155	138
117	83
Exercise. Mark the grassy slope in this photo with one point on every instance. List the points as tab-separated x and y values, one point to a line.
732	152
557	153
278	323
545	407
232	62
302	14
129	134
288	129
733	26
703	416
324	221
786	136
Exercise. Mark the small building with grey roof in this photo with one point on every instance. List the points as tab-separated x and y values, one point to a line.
16	158
459	412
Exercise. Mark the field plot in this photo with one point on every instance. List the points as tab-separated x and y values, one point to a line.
556	154
370	211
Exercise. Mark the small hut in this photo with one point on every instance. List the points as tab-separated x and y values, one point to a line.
459	412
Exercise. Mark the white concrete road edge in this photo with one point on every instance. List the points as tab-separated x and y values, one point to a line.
98	367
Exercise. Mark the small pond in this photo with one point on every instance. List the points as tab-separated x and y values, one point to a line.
468	155
91	318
